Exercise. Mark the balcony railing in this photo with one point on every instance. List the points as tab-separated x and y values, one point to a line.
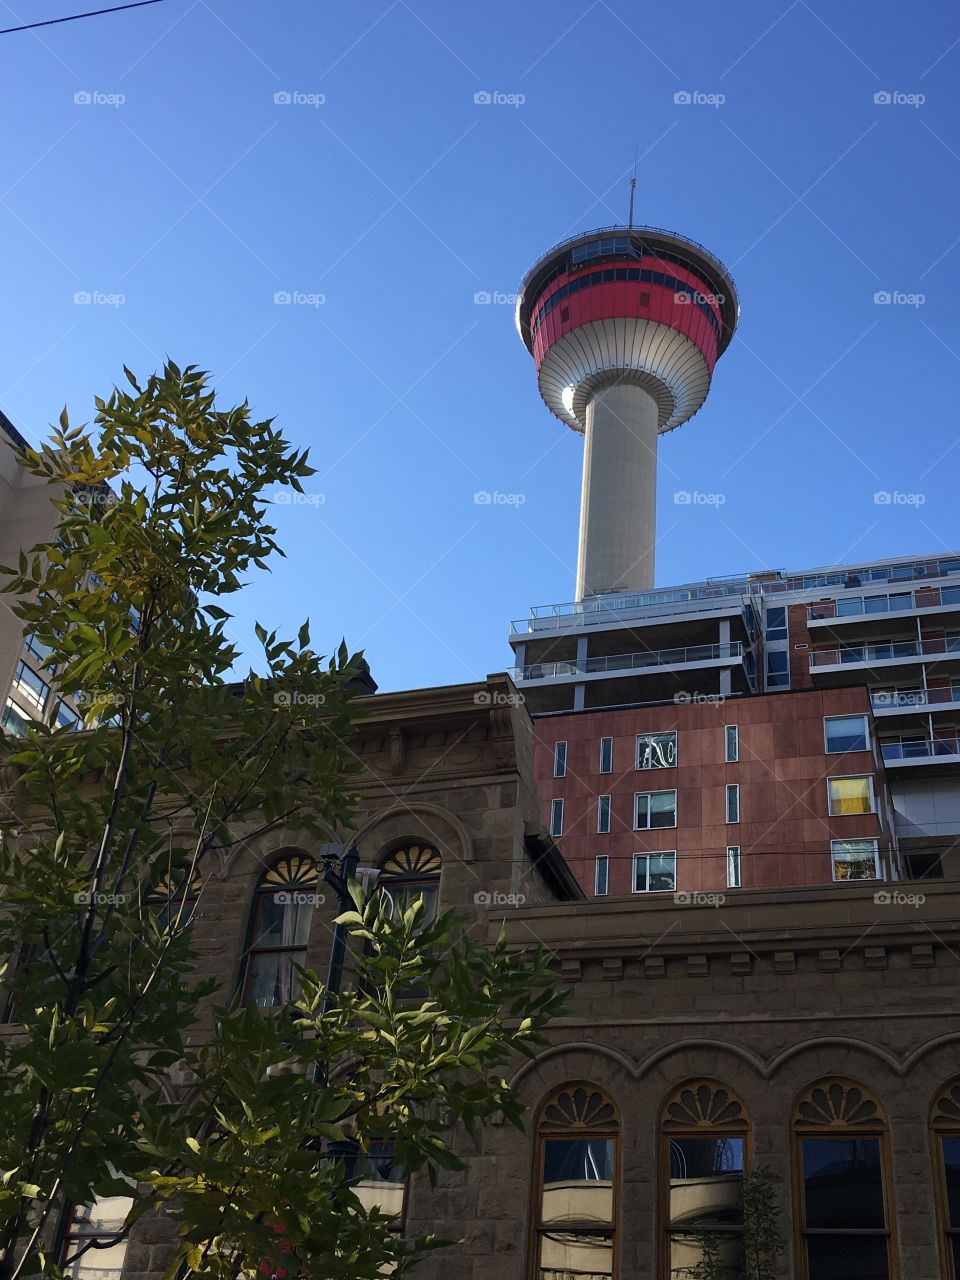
920	749
886	651
693	654
894	602
896	699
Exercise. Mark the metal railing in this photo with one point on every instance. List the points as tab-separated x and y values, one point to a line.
887	651
899	601
631	661
895	699
920	749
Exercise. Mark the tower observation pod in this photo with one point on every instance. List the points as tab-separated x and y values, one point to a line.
625	325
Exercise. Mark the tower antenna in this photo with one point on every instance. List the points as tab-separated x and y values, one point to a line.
633	186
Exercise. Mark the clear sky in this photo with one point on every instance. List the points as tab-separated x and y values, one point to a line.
182	197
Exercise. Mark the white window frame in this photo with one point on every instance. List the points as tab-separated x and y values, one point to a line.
657	733
731	759
602	742
648	854
602	861
734	878
648	794
855	840
839	777
560	758
556	828
827	751
601	829
731	789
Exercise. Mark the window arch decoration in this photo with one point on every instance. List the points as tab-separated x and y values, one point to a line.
945	1125
279	929
409	872
704	1151
842	1183
576	1193
176	885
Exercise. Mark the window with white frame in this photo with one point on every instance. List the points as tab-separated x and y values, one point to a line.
855	859
559	759
606	755
732	743
845	733
556	817
733	801
654	872
603	814
601	875
657	750
852	795
733	866
654	809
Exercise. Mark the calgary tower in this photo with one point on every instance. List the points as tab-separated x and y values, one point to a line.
625	325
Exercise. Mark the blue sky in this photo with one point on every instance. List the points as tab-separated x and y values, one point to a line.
386	198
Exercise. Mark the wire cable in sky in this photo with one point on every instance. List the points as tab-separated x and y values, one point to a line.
73	17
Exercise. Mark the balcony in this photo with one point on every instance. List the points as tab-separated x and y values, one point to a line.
612	610
847	659
700	655
925	600
921	751
898	701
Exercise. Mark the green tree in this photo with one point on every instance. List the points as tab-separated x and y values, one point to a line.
163	511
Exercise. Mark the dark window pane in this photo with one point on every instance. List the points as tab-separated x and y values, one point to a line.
686	1254
846	1258
273	980
578	1181
844	1185
955	1248
951	1164
282	922
705	1178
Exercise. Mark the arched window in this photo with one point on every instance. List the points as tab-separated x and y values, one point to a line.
175	886
946	1142
279	929
844	1216
409	873
703	1153
576	1186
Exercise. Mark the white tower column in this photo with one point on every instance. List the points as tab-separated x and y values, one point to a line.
618	508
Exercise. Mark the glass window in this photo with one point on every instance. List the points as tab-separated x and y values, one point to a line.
87	1255
655	809
850	795
855	859
601	875
733	866
776	619
654	872
843	1216
65	718
732	743
380	1183
846	733
778	669
946	1124
575	1219
559	759
606	755
14	721
279	929
175	895
733	801
603	814
39	650
27	682
556	817
407	874
924	865
703	1161
656	750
